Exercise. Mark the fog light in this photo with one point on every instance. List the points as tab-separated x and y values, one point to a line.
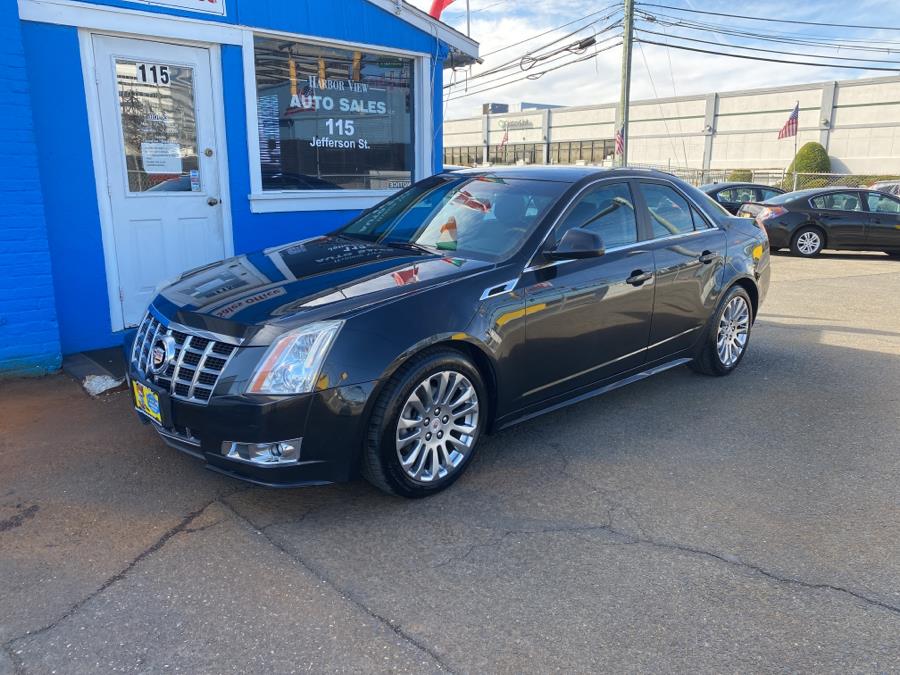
270	454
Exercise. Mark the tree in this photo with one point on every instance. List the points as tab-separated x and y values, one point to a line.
740	176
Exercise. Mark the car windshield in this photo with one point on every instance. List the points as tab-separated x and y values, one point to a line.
484	217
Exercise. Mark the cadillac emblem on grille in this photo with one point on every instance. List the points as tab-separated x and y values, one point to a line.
163	354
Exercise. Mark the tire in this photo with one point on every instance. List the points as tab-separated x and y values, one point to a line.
808	242
424	454
735	309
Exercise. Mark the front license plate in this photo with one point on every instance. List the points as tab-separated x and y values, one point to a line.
147	401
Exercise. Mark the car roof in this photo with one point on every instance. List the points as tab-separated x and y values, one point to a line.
560	173
730	184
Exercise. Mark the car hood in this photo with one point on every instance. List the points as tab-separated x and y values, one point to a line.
271	291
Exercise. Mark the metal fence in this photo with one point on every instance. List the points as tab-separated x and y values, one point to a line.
775	177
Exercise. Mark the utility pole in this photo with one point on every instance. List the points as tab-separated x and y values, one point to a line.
625	95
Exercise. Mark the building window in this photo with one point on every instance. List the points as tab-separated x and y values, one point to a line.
333	118
591	152
516	153
463	155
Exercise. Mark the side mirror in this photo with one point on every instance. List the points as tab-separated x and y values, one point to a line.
577	243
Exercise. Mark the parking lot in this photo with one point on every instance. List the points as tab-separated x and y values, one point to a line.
683	523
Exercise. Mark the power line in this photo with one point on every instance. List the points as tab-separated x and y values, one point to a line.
769	19
771	51
763	58
659	104
547	32
770	36
533	76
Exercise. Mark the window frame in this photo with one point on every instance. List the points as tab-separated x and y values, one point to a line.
281	201
572	205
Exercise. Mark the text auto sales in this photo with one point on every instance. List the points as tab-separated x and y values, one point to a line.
344	129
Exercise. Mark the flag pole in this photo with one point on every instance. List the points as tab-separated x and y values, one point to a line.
468	20
796	138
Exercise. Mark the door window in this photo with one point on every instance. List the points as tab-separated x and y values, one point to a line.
670	213
607	210
837	201
159	126
736	195
882	203
765	193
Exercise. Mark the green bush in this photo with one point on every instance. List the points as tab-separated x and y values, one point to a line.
740	176
811	158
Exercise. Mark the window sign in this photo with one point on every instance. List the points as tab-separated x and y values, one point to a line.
159	126
333	118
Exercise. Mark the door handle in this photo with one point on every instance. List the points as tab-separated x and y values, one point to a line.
638	277
707	257
212	201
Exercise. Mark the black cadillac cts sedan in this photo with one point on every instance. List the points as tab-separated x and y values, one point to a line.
461	305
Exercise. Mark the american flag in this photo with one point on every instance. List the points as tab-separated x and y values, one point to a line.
505	138
620	141
790	127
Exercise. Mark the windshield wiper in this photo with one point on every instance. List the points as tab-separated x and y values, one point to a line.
412	246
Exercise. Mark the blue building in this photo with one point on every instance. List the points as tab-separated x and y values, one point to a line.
147	137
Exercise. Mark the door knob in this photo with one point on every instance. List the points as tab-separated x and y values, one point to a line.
638	277
212	201
707	257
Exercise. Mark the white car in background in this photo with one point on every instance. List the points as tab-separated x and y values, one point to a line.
892	187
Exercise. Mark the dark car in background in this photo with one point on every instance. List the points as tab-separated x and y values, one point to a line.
808	221
463	304
734	195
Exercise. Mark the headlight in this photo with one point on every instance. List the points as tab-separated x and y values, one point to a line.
292	364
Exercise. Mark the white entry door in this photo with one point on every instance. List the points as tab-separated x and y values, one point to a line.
162	164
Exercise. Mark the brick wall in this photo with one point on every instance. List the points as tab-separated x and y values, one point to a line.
29	335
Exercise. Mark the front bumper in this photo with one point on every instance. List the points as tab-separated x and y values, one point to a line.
329	422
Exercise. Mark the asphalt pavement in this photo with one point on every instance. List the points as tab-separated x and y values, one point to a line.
747	523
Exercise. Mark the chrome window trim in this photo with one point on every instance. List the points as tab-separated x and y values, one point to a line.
613	249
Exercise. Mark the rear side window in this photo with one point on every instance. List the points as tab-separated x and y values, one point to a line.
736	195
670	213
607	210
838	201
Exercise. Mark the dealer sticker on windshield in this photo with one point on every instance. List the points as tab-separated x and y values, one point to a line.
147	401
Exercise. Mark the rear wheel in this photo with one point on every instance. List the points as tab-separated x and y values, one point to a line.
727	335
425	425
808	242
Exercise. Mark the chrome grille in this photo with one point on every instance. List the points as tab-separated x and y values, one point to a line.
199	361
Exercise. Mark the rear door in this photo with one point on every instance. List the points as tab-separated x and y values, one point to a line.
689	255
588	320
843	217
883	233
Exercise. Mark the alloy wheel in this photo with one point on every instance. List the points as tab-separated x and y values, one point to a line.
734	330
809	242
437	425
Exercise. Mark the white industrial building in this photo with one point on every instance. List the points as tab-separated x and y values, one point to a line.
858	122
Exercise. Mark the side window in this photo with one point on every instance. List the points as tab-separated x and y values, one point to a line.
607	210
725	196
670	213
765	194
838	201
882	203
700	223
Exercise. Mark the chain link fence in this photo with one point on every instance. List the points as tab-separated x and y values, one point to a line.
780	178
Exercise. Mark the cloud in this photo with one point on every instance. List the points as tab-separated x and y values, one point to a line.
497	24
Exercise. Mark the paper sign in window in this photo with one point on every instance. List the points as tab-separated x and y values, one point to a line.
161	158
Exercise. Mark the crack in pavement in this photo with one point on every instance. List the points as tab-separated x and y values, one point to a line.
631	540
393	626
181	527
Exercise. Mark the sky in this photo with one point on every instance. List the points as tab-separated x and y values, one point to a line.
658	71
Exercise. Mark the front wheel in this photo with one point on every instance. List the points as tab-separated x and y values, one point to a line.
727	335
425	425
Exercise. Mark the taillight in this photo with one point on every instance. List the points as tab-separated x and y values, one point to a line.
770	212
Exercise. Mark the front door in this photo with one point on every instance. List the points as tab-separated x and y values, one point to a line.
588	320
157	116
884	222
